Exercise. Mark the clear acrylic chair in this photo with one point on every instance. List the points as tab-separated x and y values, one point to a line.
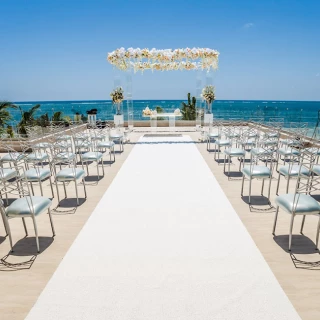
234	135
67	172
300	202
223	140
27	206
261	156
291	168
104	144
94	155
213	133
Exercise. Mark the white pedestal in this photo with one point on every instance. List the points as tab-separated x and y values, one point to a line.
153	122
92	119
118	120
208	118
172	121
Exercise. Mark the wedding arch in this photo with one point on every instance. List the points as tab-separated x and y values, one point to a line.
136	59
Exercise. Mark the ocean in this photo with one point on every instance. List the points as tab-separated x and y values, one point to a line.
291	111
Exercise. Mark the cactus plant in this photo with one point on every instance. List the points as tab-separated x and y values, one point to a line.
188	110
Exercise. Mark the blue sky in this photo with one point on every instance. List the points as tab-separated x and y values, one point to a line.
56	50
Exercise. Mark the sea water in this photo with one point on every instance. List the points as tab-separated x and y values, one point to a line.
290	111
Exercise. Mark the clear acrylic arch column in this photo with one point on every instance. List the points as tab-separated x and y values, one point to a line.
199	108
208	115
118	117
129	99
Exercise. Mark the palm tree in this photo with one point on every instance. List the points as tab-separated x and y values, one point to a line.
5	116
27	118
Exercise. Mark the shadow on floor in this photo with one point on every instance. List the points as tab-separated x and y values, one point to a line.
233	174
259	204
301	245
24	248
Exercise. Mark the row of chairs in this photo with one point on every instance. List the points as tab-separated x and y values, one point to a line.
266	150
58	157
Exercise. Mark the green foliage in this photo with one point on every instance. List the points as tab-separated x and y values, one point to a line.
188	110
57	117
5	116
27	118
159	109
10	132
43	120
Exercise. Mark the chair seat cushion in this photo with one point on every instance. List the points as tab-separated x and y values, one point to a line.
303	204
64	156
236	152
22	207
12	156
256	171
290	142
213	135
223	142
41	145
105	144
7	174
62	144
116	136
316	169
82	144
39	156
64	137
91	156
288	152
261	152
294	170
269	143
37	174
247	142
69	174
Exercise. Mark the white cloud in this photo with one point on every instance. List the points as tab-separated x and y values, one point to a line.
248	25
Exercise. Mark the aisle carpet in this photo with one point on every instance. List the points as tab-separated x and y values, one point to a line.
163	243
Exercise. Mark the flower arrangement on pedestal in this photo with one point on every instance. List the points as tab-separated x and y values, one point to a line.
209	96
147	111
117	97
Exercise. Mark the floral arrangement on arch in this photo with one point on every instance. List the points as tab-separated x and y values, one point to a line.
208	94
164	60
117	95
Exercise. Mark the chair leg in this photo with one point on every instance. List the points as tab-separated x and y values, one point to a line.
102	167
51	222
302	223
65	190
250	181
269	189
41	190
317	238
84	188
290	233
262	187
25	226
36	233
75	182
51	187
288	180
242	185
7	229
275	221
277	191
229	160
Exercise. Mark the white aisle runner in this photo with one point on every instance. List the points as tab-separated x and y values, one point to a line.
164	243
